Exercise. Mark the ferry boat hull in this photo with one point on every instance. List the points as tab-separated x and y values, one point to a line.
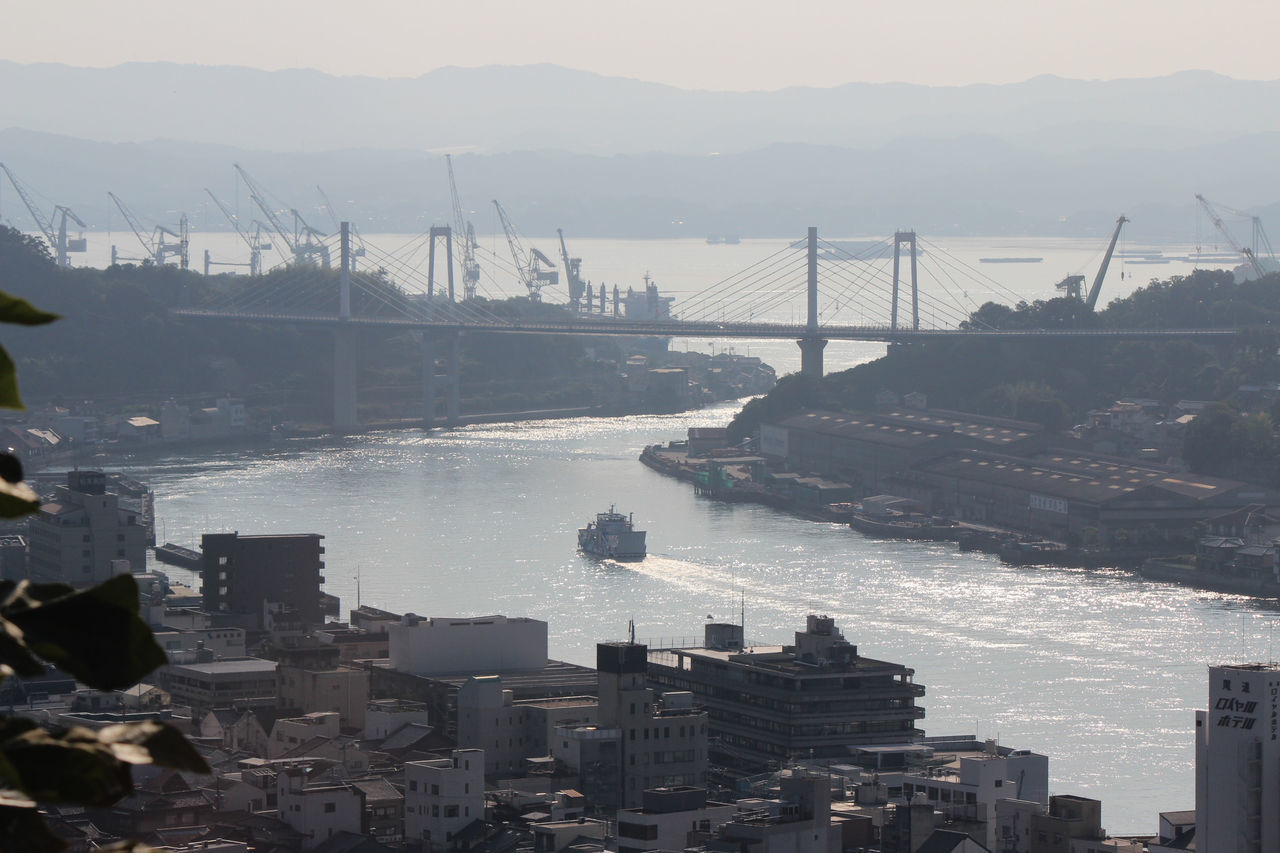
612	536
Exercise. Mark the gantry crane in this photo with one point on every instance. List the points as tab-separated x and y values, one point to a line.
463	228
1073	285
572	273
303	241
255	243
58	240
528	266
1251	255
158	250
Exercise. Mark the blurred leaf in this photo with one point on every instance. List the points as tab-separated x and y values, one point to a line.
68	767
151	742
17	499
93	634
22	312
14	653
22	828
9	396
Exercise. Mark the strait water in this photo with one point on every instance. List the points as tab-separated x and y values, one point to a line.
1098	670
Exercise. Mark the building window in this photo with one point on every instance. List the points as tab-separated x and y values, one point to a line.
413	784
330	808
450	811
435	790
1226	684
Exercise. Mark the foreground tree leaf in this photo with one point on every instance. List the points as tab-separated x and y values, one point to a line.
22	312
95	634
151	742
22	828
67	767
9	396
17	499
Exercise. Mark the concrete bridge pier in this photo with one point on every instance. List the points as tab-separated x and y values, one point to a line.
430	379
344	378
811	355
344	346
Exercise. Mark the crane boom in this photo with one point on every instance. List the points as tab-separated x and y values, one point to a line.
303	249
147	245
1222	229
255	193
1092	301
463	228
254	243
46	228
572	272
524	266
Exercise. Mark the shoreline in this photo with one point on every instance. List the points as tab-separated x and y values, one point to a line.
1142	565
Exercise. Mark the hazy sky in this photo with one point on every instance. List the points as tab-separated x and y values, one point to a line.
711	44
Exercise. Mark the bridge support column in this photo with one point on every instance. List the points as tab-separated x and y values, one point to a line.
452	361
811	355
344	378
344	346
428	381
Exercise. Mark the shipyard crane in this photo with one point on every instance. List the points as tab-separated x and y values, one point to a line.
528	265
303	242
572	273
255	243
158	250
464	229
357	247
57	238
1073	285
1251	255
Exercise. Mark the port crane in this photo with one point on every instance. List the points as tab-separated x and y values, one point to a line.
1073	285
528	265
57	238
304	241
1259	236
158	250
255	243
572	273
463	228
357	247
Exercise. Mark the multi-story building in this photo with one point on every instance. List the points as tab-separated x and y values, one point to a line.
243	574
510	731
84	536
661	738
442	796
318	809
813	699
799	820
1238	760
667	817
235	682
482	645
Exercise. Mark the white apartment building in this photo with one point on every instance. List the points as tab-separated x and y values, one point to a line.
1238	761
84	536
443	796
318	810
511	731
484	644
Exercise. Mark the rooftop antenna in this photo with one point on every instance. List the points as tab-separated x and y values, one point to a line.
631	631
357	586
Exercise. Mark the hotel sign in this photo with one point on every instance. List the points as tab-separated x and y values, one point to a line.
1049	504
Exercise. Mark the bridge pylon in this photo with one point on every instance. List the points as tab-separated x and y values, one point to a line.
439	232
812	344
908	237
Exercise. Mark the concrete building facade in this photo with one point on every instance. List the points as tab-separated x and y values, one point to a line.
442	796
1238	760
243	574
481	645
811	699
84	536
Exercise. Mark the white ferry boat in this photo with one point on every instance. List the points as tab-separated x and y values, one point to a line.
612	536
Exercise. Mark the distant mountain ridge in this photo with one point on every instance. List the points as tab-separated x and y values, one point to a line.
604	156
504	108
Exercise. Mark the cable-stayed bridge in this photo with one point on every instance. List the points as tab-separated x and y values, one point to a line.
843	294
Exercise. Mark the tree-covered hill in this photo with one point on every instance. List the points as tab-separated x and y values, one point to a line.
118	341
1055	381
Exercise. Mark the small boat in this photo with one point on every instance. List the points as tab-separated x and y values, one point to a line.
176	555
612	536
